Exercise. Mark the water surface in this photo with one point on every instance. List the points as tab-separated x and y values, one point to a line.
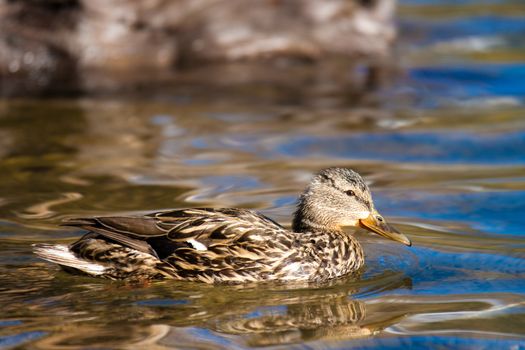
442	147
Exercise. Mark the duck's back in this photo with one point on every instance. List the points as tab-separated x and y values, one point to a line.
203	244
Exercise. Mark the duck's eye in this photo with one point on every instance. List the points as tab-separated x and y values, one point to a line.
350	193
380	219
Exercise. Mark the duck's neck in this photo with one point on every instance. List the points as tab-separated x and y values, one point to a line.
302	222
342	253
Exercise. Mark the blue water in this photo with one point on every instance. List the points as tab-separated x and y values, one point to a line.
449	147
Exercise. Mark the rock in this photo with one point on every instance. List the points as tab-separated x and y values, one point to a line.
60	45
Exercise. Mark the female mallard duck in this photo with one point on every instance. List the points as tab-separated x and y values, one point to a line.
232	245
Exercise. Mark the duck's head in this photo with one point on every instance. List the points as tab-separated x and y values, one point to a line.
337	198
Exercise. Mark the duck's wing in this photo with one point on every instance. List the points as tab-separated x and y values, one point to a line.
216	226
129	231
197	228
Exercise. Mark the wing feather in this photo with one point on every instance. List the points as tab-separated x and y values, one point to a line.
217	226
207	226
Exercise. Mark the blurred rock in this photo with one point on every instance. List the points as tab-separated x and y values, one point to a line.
62	46
34	55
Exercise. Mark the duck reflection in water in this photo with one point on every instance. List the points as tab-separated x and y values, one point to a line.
331	315
255	314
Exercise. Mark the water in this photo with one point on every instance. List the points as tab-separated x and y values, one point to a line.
443	148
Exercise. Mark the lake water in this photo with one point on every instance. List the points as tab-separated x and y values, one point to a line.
442	146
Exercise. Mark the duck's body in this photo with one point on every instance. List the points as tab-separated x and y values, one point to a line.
209	245
225	245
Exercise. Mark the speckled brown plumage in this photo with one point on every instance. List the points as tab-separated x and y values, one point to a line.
228	245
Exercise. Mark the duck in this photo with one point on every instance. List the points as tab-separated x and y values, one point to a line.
231	245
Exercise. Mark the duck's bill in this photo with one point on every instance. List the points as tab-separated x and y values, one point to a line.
371	223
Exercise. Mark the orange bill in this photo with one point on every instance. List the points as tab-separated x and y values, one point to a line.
377	224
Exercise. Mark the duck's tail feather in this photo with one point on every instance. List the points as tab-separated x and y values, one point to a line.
60	254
